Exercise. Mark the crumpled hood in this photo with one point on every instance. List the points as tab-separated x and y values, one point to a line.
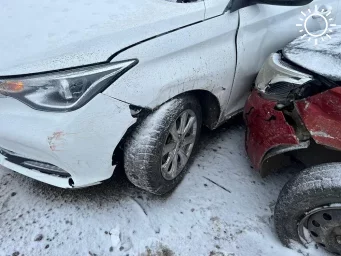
39	36
323	59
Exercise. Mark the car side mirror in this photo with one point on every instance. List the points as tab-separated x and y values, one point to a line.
235	5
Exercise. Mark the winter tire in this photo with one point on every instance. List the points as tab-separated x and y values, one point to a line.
308	208
156	154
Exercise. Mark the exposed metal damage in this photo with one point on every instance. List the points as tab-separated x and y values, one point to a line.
292	115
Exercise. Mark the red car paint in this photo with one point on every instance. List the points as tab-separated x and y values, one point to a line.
268	129
321	115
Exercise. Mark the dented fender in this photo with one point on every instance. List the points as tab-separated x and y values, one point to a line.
321	115
266	129
292	109
317	121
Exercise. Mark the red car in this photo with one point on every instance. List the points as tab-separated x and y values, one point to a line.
294	116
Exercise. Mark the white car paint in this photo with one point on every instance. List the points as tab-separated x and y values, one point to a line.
215	8
62	34
264	29
180	48
79	142
203	56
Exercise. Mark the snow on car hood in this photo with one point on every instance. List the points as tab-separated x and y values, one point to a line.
323	59
40	36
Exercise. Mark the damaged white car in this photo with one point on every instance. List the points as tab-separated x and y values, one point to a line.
85	86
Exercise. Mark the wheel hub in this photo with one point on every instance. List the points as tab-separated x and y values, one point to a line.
324	226
179	145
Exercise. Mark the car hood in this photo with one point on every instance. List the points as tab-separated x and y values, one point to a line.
323	58
50	35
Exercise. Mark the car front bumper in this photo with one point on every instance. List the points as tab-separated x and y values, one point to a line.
285	121
80	142
266	129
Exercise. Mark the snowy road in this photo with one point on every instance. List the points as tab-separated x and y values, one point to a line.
221	208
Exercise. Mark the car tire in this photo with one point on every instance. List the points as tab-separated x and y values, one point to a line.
305	200
145	153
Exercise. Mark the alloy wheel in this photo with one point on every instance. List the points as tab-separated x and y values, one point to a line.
179	144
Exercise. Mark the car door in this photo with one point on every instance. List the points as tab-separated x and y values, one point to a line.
264	29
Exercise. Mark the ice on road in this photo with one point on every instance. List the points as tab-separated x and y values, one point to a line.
222	207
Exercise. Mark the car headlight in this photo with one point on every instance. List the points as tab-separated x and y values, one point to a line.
277	79
63	90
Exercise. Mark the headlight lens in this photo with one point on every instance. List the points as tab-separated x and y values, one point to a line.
65	90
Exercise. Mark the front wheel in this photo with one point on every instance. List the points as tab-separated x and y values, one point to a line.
309	208
156	155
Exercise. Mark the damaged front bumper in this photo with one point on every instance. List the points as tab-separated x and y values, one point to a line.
291	114
67	150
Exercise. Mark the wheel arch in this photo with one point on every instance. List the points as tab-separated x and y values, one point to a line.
279	157
210	108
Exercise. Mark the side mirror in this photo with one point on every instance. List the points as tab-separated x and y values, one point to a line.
235	5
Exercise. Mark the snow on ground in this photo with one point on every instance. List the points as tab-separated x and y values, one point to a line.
221	208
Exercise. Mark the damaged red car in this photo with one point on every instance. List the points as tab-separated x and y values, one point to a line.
293	115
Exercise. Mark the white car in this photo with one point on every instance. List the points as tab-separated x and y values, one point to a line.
85	85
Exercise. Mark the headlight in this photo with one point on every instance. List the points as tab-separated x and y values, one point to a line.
277	79
63	90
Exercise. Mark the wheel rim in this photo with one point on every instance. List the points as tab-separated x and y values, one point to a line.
323	226
179	144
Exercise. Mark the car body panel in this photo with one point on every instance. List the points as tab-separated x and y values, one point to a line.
178	52
49	179
327	53
264	29
199	57
215	7
81	142
172	71
269	134
292	113
62	34
266	129
321	115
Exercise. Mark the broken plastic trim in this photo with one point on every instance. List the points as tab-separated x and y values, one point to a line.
138	112
282	81
276	158
278	79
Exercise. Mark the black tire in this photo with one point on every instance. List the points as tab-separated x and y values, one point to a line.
143	150
312	188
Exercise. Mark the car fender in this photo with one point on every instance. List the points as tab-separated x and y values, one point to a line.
267	130
321	115
197	57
